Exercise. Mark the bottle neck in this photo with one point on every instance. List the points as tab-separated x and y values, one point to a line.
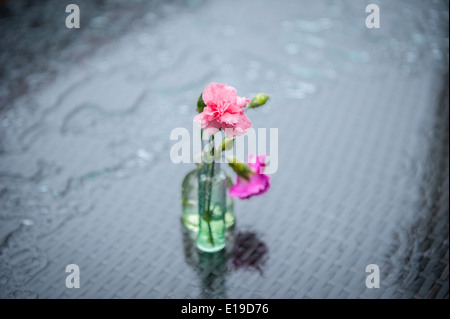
211	152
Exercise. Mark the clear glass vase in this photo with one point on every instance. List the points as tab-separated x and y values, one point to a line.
189	202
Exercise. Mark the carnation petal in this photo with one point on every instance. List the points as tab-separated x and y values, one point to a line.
229	118
214	93
242	101
209	93
200	119
243	125
227	93
212	127
258	184
234	108
258	163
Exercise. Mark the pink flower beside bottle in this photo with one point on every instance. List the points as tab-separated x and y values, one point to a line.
258	182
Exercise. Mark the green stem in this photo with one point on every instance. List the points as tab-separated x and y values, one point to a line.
210	180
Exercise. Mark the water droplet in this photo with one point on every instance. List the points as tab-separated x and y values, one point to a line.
301	90
410	57
418	38
255	65
157	146
43	189
292	48
143	154
98	22
120	174
27	222
406	70
437	54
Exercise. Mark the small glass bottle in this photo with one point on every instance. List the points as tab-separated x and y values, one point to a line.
189	201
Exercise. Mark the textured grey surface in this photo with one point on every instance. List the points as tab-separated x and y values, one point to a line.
363	178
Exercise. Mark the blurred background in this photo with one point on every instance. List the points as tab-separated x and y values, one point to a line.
86	176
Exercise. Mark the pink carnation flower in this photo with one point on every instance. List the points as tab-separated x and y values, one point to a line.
258	183
224	109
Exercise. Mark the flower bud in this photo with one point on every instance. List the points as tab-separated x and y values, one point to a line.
259	100
242	169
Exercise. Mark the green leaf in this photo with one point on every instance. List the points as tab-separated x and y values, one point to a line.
200	104
227	143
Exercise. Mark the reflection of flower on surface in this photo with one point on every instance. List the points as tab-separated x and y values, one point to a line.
249	252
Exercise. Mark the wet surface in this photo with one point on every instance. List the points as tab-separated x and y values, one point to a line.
86	177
